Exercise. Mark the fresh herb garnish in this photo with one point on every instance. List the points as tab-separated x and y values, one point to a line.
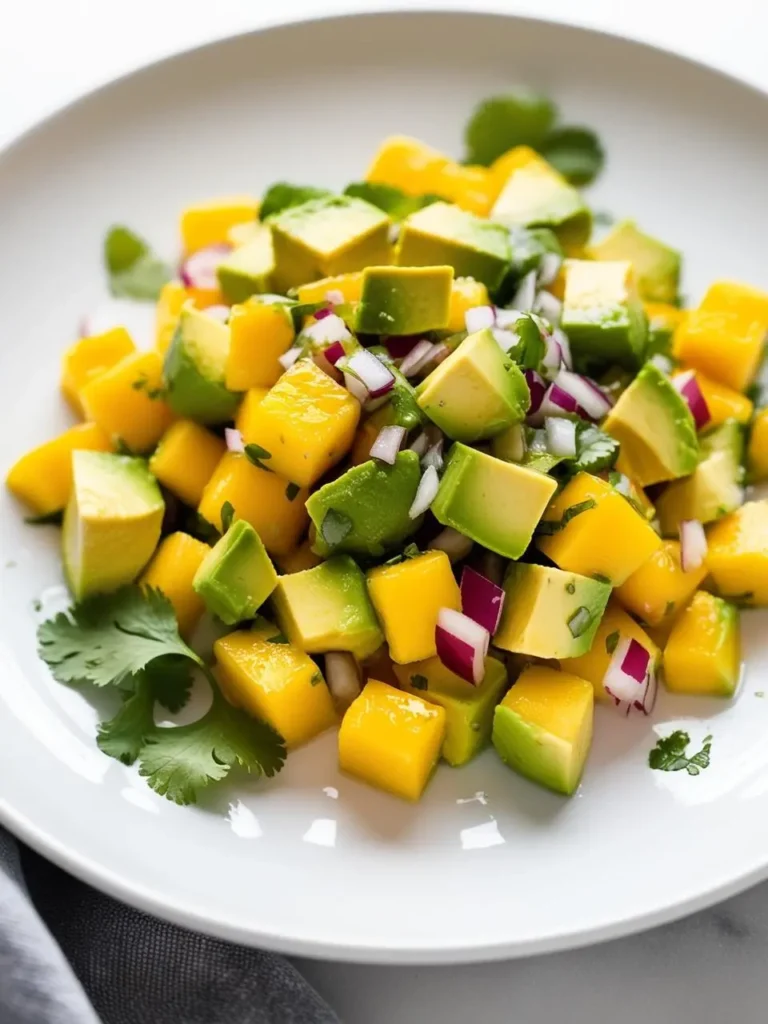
227	515
283	195
669	754
549	526
575	152
316	679
595	450
134	270
530	347
612	641
580	622
278	638
335	527
744	598
256	454
121	448
600	577
48	519
291	491
142	384
411	551
519	118
669	608
393	201
419	682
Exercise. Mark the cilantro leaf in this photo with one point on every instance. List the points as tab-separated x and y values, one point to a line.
419	682
549	526
256	454
595	450
283	195
227	515
530	347
291	491
134	270
670	754
612	641
178	762
335	527
575	152
392	200
124	735
522	117
579	622
171	680
108	638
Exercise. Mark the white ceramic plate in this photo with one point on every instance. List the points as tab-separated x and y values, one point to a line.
487	865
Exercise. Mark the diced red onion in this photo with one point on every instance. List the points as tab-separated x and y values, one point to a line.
553	355
321	314
342	674
505	339
525	295
462	645
549	268
334	352
399	346
387	444
586	394
478	318
662	362
287	359
417	358
630	678
565	347
425	492
138	318
377	378
548	306
335	297
481	599
372	404
434	456
327	329
556	402
199	269
456	545
356	388
506	318
538	390
234	440
420	445
693	545
561	436
688	387
441	352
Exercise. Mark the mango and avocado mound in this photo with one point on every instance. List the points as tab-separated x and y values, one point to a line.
436	401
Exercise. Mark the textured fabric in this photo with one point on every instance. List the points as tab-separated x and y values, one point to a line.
134	968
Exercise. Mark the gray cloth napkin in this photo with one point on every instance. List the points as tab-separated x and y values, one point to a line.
69	955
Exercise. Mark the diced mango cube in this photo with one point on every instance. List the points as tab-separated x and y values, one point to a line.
349	285
259	335
307	423
409	165
127	401
703	653
173	295
274	681
723	402
466	292
208	223
43	477
267	501
172	570
391	739
244	418
659	589
89	357
185	459
470	187
589	510
738	554
615	626
407	598
757	449
514	158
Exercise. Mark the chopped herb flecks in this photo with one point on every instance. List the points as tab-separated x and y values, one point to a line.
256	454
549	526
419	682
580	622
612	641
278	638
227	515
670	754
291	491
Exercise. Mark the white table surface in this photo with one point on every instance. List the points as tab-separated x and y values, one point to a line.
709	968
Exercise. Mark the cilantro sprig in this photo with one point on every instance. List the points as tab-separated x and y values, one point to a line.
671	754
392	200
135	272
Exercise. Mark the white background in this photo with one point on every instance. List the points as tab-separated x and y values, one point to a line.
708	969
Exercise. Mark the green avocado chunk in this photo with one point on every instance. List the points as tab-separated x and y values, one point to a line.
657	266
327	609
654	426
327	236
496	503
476	392
603	316
236	577
469	709
550	613
716	486
371	502
535	195
404	300
195	366
446	234
248	269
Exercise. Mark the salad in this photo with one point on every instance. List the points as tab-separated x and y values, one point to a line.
438	461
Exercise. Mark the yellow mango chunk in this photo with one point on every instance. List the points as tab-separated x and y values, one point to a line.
663	316
615	626
738	554
244	418
173	295
349	285
89	357
472	188
299	559
306	422
581	545
466	292
172	570
391	739
366	434
407	598
185	460
259	334
208	223
659	589
43	477
514	158
757	448
723	402
276	682
724	337
127	401
703	653
259	497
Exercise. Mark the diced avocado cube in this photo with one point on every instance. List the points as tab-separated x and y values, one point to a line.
703	653
328	236
445	234
657	266
469	709
655	428
716	486
195	369
543	727
476	392
549	613
529	246
738	554
537	196
367	507
237	576
603	316
327	609
249	268
404	300
111	523
496	503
